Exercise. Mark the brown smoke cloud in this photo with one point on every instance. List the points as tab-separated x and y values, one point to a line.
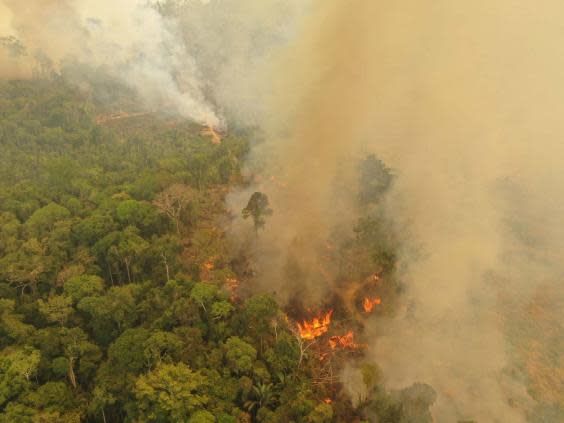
465	101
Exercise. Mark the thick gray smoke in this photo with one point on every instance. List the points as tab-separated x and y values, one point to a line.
194	58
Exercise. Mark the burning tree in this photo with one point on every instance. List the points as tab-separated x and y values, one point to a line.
257	208
369	303
316	327
209	131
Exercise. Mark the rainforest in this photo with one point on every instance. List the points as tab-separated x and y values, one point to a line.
281	211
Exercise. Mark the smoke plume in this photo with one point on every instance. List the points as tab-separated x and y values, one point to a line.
462	99
465	102
182	57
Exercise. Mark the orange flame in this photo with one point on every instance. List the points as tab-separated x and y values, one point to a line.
368	303
232	283
327	400
344	341
316	327
232	286
209	131
208	265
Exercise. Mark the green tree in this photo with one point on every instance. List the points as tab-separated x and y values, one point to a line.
56	309
221	309
52	397
323	413
12	326
257	208
82	356
138	214
79	287
44	219
162	346
240	355
101	399
17	367
375	179
125	248
171	392
27	266
262	395
203	293
202	416
259	314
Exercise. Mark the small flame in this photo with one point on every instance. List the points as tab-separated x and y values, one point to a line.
327	400
344	341
209	131
232	285
369	303
208	265
316	327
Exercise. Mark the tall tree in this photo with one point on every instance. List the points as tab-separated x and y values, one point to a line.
257	208
171	392
174	202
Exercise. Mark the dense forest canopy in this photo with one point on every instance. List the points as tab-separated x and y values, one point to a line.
119	295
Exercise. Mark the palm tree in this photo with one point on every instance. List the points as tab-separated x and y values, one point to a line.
262	395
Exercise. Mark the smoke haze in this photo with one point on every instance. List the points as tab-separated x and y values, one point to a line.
464	100
185	57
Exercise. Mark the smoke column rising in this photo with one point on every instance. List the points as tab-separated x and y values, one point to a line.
465	101
129	39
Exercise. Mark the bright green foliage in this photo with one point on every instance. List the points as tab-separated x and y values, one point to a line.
138	214
163	346
221	309
11	324
17	367
94	227
56	309
78	287
128	351
259	313
284	355
202	416
170	393
53	396
203	293
240	355
115	308
44	219
17	412
107	314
